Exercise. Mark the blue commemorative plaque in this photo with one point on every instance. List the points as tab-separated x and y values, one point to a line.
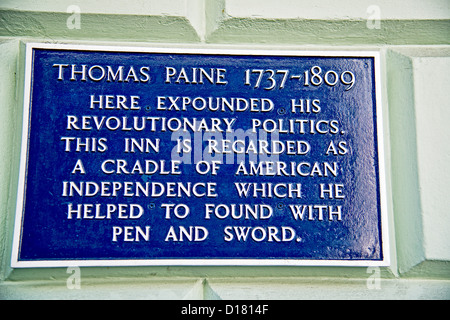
200	157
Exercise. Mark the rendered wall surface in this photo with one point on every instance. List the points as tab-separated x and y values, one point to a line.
413	38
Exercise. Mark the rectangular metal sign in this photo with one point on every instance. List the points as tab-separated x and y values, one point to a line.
145	156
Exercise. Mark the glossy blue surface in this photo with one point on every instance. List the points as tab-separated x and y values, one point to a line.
48	234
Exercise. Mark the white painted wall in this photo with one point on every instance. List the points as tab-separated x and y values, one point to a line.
414	40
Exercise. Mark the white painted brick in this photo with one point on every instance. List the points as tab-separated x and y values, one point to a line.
431	91
331	9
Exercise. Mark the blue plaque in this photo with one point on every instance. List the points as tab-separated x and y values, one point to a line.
151	156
